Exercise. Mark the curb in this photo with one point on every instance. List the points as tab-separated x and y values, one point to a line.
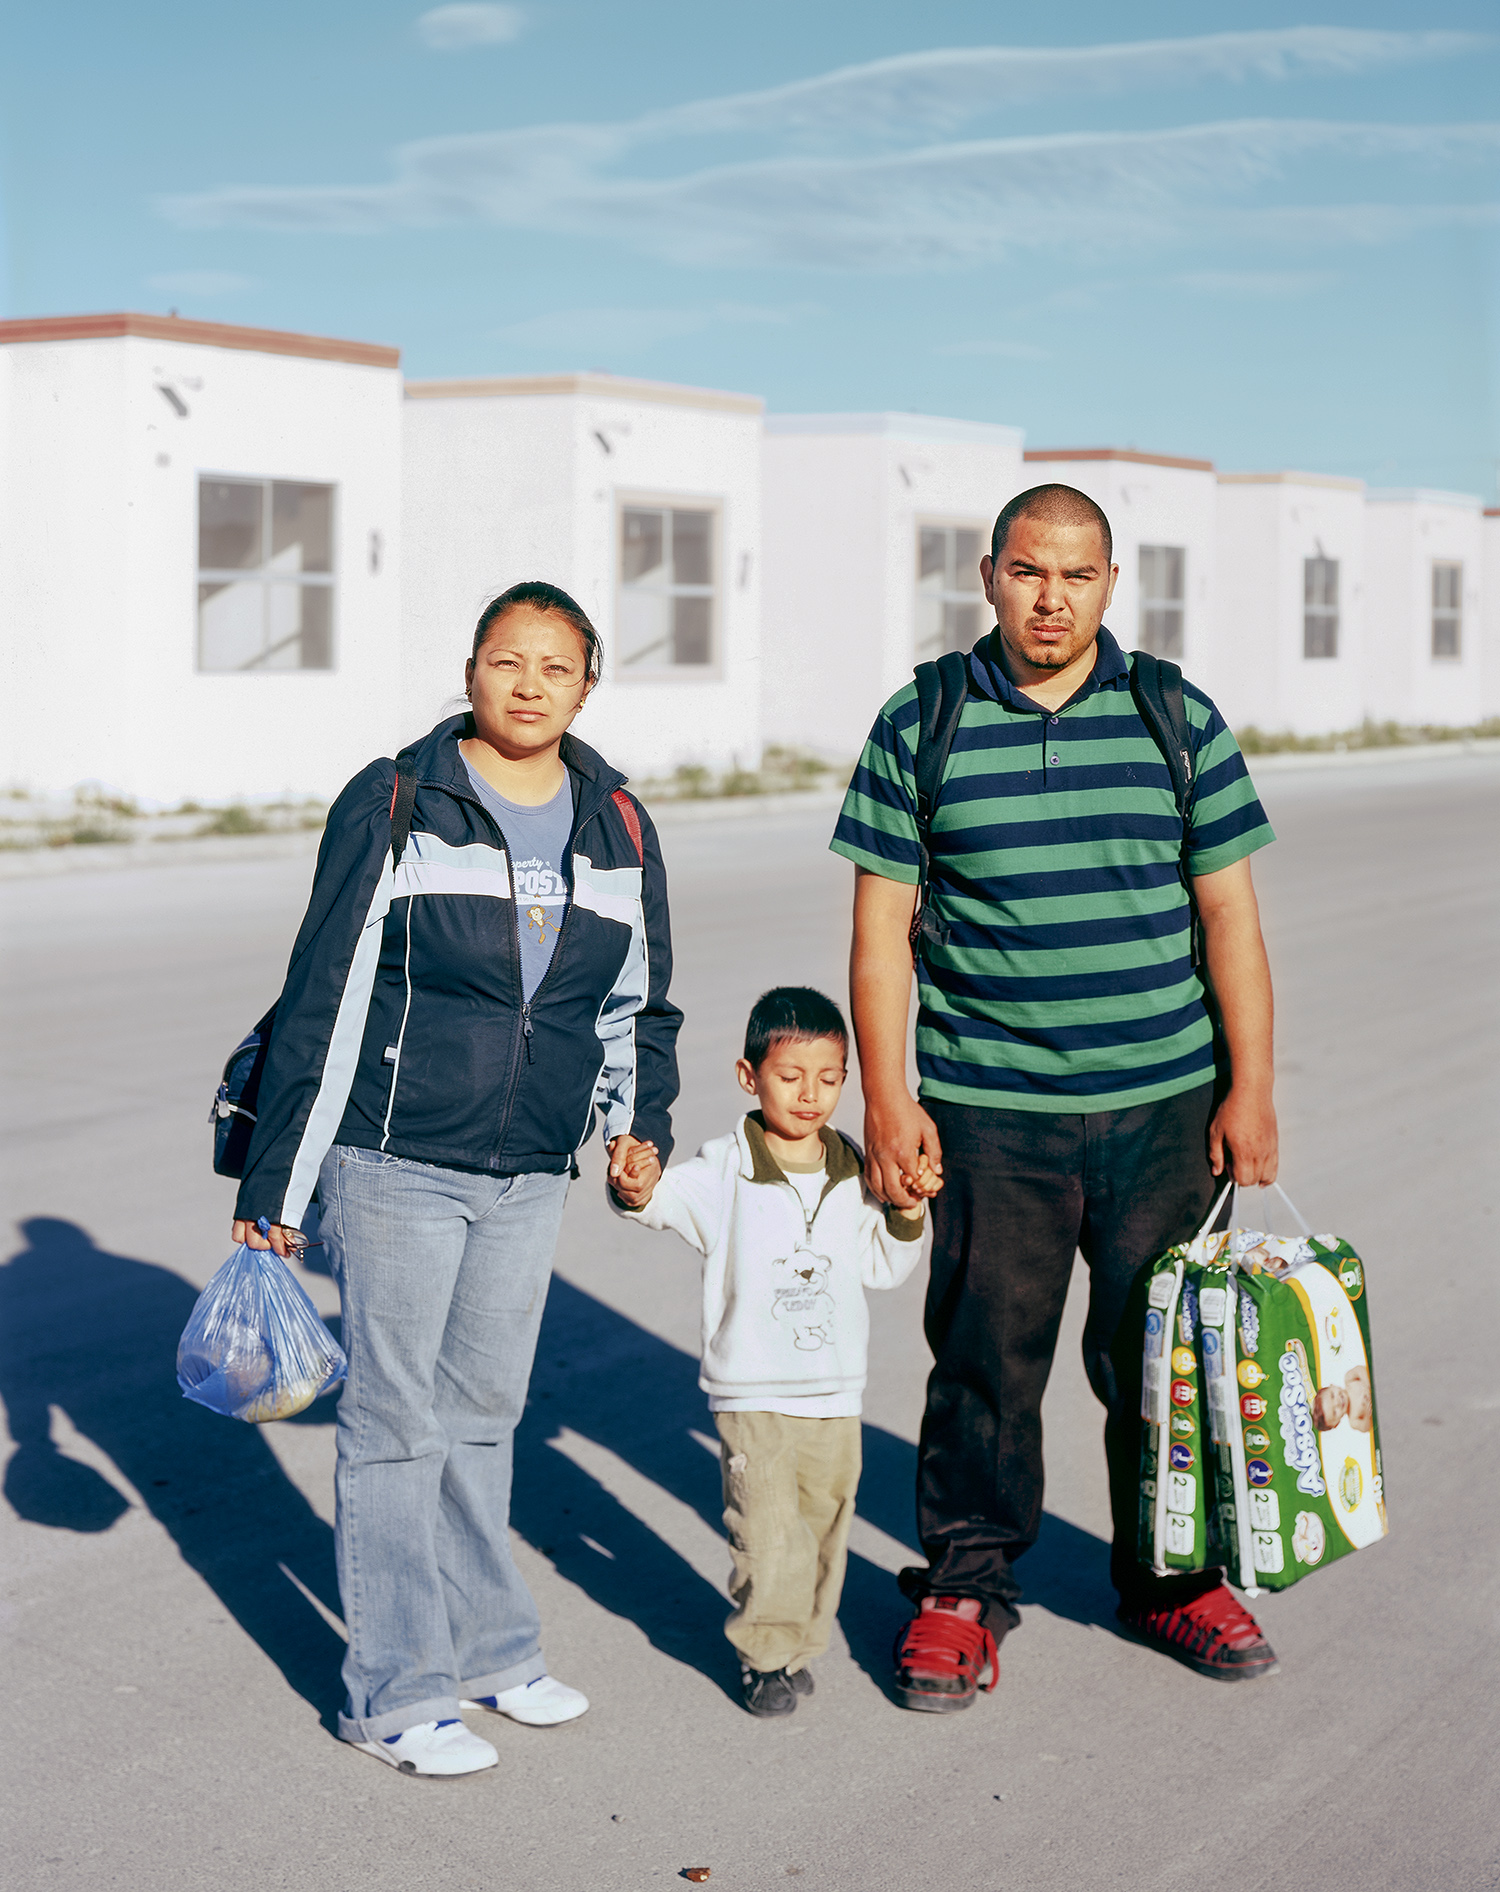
48	863
1285	761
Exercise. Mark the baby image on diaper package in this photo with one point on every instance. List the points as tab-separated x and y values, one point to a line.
1293	1436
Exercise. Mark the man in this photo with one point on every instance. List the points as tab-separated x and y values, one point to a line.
1074	1096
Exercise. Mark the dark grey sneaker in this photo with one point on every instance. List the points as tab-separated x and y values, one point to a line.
769	1691
801	1681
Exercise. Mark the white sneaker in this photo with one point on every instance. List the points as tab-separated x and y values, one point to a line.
433	1747
543	1703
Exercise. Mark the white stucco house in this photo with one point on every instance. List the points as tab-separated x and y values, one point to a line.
639	498
1424	631
199	582
874	528
1289	629
1163	512
238	563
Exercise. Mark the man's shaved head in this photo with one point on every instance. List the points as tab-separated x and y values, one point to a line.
1056	506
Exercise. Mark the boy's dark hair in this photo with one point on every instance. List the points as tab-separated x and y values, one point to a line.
791	1011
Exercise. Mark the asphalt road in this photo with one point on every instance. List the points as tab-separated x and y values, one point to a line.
169	1609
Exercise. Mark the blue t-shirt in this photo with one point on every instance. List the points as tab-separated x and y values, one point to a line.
538	842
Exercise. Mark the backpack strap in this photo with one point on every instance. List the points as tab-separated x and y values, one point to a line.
1156	686
630	816
403	800
941	690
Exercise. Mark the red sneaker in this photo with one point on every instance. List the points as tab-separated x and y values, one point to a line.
944	1656
1214	1634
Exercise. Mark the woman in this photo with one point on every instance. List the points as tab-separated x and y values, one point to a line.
449	1023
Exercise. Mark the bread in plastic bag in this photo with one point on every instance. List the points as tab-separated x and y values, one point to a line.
254	1347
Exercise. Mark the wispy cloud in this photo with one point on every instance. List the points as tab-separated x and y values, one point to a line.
917	94
832	198
1258	285
581	332
450	29
1316	226
201	282
939	204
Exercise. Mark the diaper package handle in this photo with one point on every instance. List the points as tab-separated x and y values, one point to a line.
1233	1190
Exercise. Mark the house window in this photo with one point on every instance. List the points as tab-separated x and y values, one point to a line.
1447	610
950	597
668	591
265	575
1320	607
1163	587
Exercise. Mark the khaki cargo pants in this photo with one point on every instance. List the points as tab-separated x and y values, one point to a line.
789	1488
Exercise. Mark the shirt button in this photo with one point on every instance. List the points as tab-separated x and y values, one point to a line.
1054	719
1052	759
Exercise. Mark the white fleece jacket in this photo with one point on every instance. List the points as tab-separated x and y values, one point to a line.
784	1311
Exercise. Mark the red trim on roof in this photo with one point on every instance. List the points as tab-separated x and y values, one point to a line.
174	328
1117	453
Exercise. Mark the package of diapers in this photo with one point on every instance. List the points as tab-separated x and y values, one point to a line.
1174	1502
1292	1444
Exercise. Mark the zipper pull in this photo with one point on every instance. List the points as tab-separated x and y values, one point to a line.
526	1027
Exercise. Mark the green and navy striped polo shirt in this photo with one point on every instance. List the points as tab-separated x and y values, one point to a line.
1067	981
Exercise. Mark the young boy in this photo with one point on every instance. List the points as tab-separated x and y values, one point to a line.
790	1237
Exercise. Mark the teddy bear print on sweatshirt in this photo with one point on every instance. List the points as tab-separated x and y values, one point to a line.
802	1301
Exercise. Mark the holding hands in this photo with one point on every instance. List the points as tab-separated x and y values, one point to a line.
923	1182
634	1171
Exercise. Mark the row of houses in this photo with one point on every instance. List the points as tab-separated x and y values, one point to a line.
238	563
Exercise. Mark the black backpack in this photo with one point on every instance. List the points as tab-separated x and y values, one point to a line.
232	1112
941	689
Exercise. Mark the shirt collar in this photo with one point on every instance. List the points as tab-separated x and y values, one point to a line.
986	678
842	1162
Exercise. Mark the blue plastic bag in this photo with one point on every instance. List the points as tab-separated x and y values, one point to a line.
254	1347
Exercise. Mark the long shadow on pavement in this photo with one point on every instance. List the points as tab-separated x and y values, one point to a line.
96	1334
603	1377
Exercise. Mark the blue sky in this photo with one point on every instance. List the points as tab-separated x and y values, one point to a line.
1257	235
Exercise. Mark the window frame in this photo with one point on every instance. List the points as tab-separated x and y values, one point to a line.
1444	614
1320	611
921	523
1158	603
631	499
261	574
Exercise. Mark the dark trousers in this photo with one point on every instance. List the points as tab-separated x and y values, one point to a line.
1022	1191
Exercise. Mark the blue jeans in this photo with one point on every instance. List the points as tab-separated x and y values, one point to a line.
442	1277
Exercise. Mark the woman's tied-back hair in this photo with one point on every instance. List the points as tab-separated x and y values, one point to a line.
542	597
791	1011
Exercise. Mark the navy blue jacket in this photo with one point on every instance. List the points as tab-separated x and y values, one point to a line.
401	1026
